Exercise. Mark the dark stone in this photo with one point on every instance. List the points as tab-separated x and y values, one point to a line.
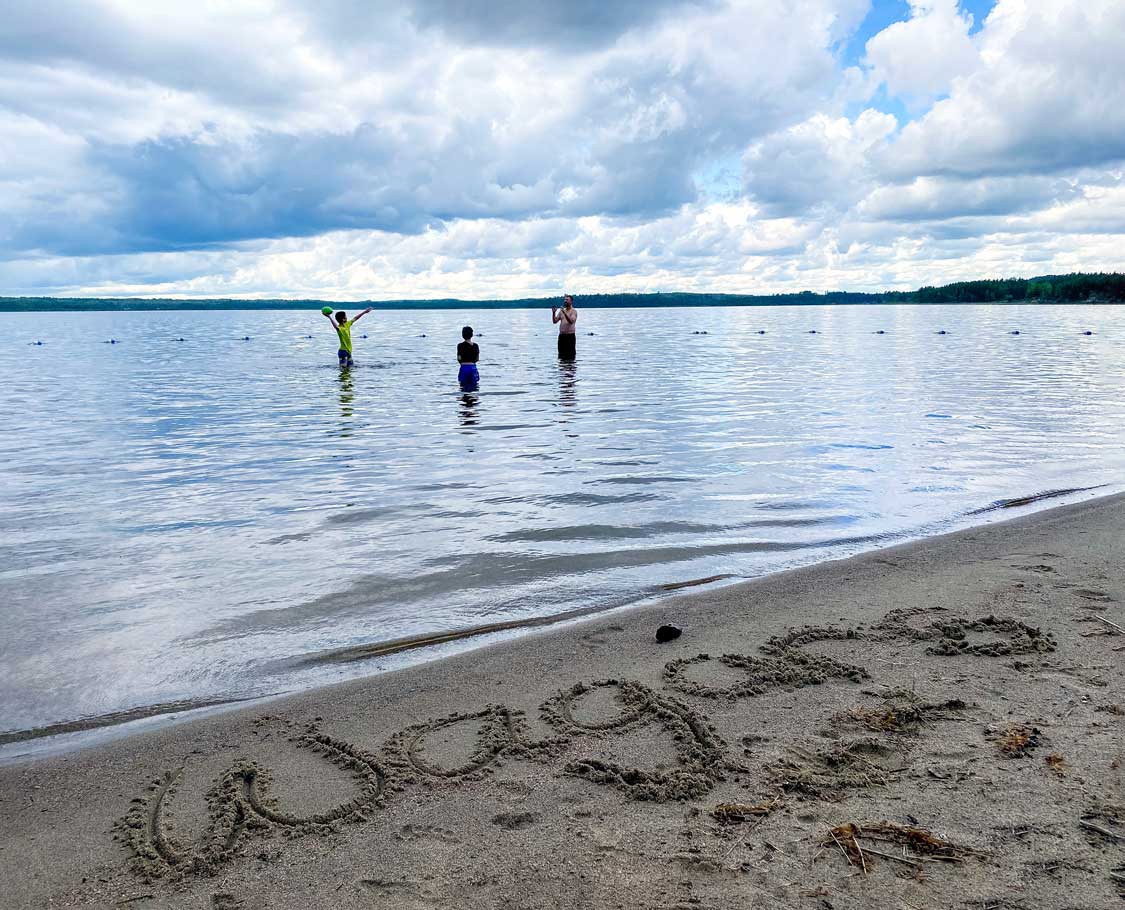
667	633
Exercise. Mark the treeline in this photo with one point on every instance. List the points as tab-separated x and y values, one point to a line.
1075	288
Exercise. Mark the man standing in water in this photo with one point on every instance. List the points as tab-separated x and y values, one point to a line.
566	318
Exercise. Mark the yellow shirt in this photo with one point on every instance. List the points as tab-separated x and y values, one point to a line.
345	333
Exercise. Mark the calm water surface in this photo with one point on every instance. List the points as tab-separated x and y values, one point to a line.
187	519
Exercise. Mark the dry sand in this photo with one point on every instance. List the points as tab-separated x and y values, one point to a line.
954	700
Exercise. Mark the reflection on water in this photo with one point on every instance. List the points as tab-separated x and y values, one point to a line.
347	396
568	388
178	519
470	402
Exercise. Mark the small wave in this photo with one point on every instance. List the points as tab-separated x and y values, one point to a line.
643	479
117	717
1028	500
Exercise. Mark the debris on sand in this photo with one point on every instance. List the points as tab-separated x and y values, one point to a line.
668	633
901	712
1056	763
1106	824
736	813
915	845
1017	740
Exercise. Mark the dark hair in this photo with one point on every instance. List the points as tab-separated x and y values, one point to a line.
341	316
467	332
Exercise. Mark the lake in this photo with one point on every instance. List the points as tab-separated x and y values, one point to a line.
186	515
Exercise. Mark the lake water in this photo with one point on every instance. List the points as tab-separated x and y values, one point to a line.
192	519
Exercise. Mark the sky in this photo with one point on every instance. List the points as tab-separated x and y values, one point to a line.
369	149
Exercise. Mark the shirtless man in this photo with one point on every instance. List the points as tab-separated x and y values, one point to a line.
566	318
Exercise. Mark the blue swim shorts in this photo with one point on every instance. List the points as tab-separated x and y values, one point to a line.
468	374
345	358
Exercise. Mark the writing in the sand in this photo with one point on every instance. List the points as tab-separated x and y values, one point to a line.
242	803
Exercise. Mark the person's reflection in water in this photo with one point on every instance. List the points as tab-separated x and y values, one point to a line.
568	388
347	396
470	400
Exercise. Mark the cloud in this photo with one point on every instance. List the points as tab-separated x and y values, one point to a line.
937	198
823	163
1045	96
191	153
429	148
921	57
575	24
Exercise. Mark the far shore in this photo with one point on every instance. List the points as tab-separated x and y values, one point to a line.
939	724
1078	288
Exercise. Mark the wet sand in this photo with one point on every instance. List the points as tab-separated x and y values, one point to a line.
934	725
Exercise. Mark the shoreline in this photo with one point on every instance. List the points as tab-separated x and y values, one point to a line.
428	643
594	764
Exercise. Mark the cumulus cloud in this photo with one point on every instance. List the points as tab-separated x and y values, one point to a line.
938	198
456	130
1045	96
575	24
921	57
432	148
823	163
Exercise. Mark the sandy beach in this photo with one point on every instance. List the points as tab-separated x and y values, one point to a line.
934	725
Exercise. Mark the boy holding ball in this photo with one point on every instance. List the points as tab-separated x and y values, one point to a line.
343	327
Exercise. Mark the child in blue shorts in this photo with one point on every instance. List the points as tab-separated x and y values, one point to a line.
468	355
343	327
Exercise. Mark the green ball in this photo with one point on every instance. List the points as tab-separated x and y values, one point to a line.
326	310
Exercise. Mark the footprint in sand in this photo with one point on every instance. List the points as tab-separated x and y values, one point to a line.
427	832
1092	594
402	895
515	821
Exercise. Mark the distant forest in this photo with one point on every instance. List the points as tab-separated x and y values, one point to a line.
1076	288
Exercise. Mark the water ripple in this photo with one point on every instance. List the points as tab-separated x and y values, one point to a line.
177	520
